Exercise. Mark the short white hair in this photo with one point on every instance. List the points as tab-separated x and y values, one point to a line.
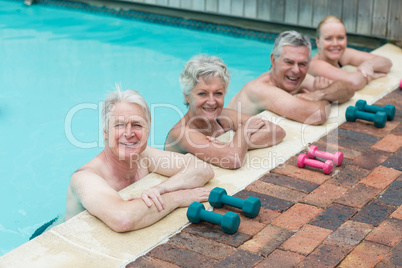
205	67
119	96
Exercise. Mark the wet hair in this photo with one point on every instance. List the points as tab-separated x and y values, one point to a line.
119	96
326	20
205	67
290	38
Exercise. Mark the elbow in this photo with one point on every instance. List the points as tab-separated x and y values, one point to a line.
206	173
121	223
232	160
321	116
279	135
357	83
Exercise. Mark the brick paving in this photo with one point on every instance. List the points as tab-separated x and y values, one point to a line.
350	218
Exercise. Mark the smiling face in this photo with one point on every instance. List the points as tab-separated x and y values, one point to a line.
128	131
290	69
332	41
206	99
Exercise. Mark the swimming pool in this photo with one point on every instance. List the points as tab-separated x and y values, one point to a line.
57	65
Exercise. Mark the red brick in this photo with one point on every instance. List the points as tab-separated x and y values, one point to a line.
368	127
388	233
371	159
240	259
301	173
397	214
267	240
297	216
281	259
381	177
201	245
181	257
393	259
349	234
149	262
389	143
276	191
324	256
366	254
306	240
247	225
358	196
349	176
324	195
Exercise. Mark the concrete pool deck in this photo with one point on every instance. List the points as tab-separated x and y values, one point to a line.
350	218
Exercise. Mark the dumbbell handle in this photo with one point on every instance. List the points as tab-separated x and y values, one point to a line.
232	201
365	115
313	163
337	157
211	217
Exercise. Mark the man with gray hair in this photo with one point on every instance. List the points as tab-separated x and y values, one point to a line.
287	89
127	159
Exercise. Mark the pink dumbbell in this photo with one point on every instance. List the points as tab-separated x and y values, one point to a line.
303	160
313	152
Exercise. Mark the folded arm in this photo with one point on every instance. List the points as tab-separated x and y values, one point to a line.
103	202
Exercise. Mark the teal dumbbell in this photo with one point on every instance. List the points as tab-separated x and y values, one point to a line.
250	207
229	222
379	118
389	109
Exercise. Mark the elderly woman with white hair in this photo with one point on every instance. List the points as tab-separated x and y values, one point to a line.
127	159
204	81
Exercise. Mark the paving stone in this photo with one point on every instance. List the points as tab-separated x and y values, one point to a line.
208	247
381	177
390	143
267	240
355	136
247	225
358	196
393	195
181	257
374	213
275	191
348	143
398	129
289	182
366	254
324	195
349	234
214	232
333	217
349	176
371	159
281	259
324	256
394	161
397	214
369	128
393	259
149	262
240	258
267	201
296	217
293	171
388	233
306	239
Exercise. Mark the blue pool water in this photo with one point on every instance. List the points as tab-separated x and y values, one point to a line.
56	66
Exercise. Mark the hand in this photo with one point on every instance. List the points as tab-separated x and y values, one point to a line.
253	124
321	83
311	96
153	196
367	70
189	196
215	140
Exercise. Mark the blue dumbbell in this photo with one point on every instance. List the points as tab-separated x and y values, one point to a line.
379	118
389	109
250	207
229	222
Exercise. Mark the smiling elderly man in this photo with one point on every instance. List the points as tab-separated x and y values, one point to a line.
276	89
